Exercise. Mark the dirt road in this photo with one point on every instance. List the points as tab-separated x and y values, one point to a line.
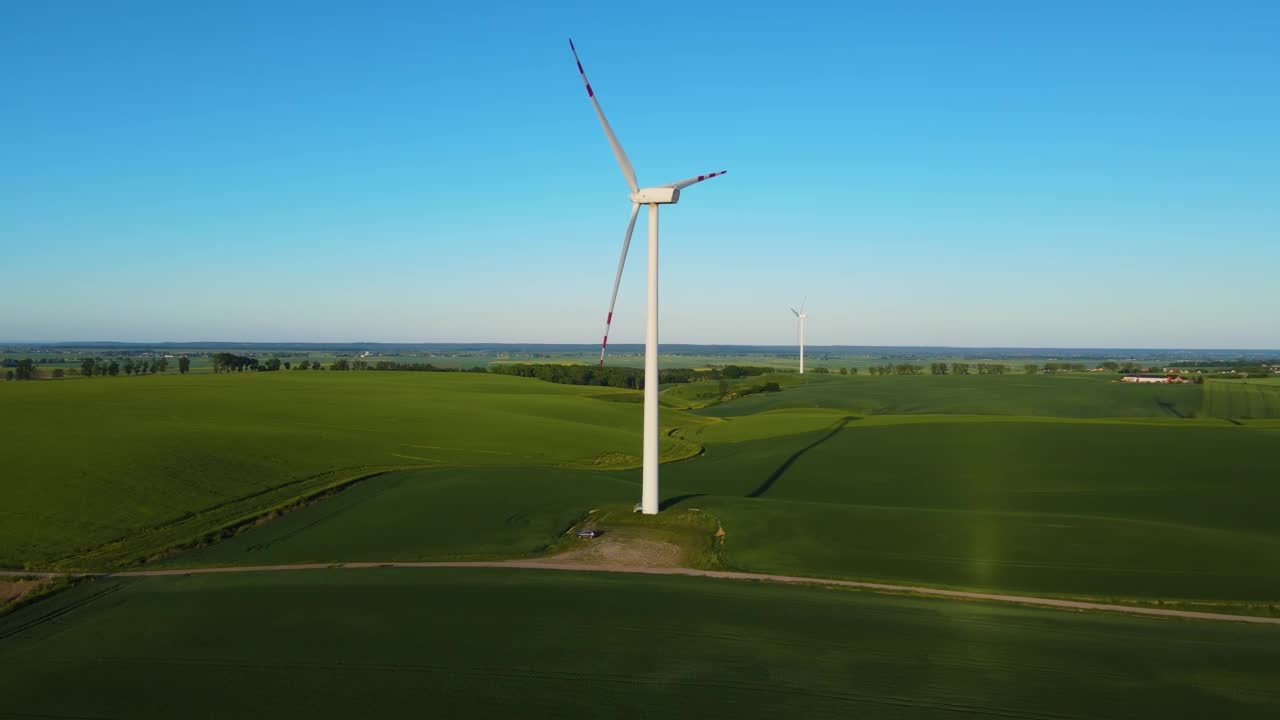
728	575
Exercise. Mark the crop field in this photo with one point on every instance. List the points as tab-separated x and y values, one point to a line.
1242	399
1067	395
432	514
483	467
1065	486
1116	510
107	470
351	643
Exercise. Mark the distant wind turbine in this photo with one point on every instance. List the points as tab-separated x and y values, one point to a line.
800	316
653	197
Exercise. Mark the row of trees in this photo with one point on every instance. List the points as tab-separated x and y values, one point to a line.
345	364
623	377
900	369
26	369
632	378
231	362
131	366
940	368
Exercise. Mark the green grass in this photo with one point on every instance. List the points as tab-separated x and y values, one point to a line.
1243	399
1068	486
150	462
1115	509
434	514
461	514
479	467
509	643
1067	395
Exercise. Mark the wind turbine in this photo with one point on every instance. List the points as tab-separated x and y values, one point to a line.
800	316
653	197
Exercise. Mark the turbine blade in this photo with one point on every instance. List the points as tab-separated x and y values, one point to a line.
692	180
627	171
617	279
802	302
793	312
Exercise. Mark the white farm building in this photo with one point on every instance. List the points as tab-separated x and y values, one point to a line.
1152	379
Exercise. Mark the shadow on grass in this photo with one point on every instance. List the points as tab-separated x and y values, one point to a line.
677	499
1170	408
786	465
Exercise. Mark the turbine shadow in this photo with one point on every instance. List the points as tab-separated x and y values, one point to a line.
677	499
786	465
1170	408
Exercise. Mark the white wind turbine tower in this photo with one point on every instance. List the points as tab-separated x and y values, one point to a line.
800	316
653	197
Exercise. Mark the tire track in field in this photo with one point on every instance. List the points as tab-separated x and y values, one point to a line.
395	482
62	610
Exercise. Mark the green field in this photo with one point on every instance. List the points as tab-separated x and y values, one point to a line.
480	467
1067	486
430	514
1064	395
493	643
993	503
1101	509
148	462
1243	399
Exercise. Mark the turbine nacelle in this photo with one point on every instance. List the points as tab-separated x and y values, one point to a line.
656	196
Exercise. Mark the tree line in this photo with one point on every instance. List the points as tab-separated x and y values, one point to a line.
131	366
623	377
26	369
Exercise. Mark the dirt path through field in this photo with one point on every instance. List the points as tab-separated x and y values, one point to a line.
578	564
14	590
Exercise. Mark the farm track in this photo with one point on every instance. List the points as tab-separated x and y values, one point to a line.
1056	603
213	520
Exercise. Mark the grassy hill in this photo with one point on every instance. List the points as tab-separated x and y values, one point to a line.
154	461
1071	486
493	643
476	513
474	466
1120	510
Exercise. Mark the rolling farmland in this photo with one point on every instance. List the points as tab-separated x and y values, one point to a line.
992	503
482	467
1058	487
566	644
181	456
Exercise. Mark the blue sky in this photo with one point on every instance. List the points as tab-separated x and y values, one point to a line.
1081	174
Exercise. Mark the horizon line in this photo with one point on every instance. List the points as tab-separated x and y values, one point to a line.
592	347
